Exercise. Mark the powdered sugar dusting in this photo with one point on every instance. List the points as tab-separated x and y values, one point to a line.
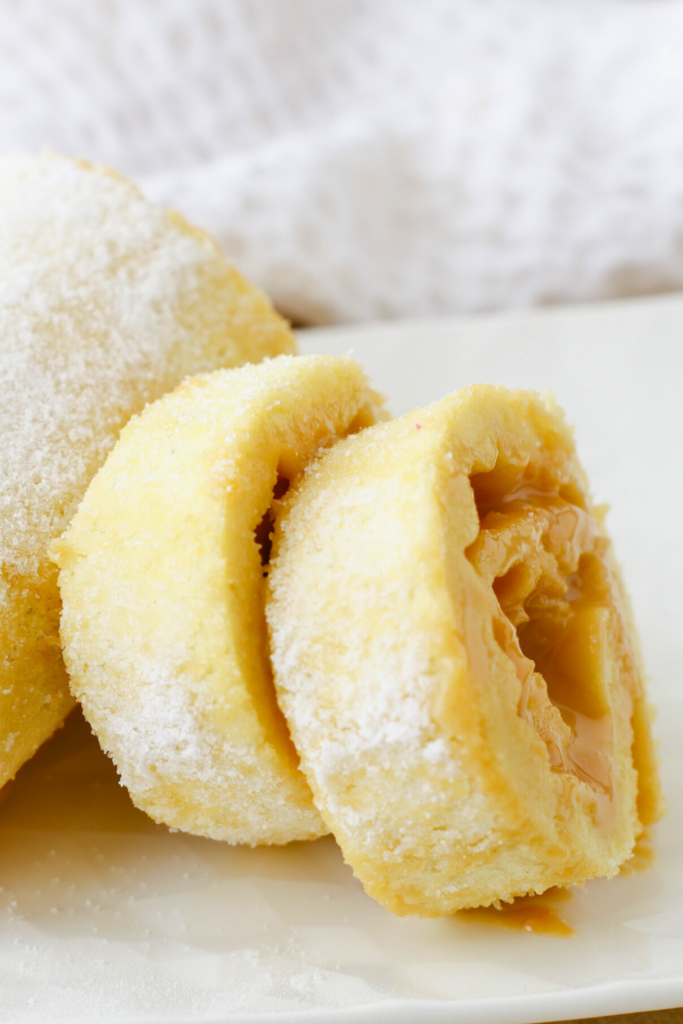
105	302
161	736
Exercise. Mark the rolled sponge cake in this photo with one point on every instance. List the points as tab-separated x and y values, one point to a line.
106	302
453	652
163	577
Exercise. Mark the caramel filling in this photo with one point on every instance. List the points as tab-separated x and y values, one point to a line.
542	556
526	914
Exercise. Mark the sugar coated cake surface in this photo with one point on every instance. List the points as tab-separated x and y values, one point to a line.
163	573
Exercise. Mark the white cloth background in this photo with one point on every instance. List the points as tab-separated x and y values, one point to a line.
379	158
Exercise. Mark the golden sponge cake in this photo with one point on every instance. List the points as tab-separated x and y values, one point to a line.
452	650
162	579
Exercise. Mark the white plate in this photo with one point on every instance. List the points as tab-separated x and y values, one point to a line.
105	916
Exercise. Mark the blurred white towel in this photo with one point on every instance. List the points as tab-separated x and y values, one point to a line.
379	158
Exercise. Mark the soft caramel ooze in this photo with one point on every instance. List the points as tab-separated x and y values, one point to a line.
550	590
542	556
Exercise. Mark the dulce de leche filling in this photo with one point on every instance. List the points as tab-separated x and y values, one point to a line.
542	556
